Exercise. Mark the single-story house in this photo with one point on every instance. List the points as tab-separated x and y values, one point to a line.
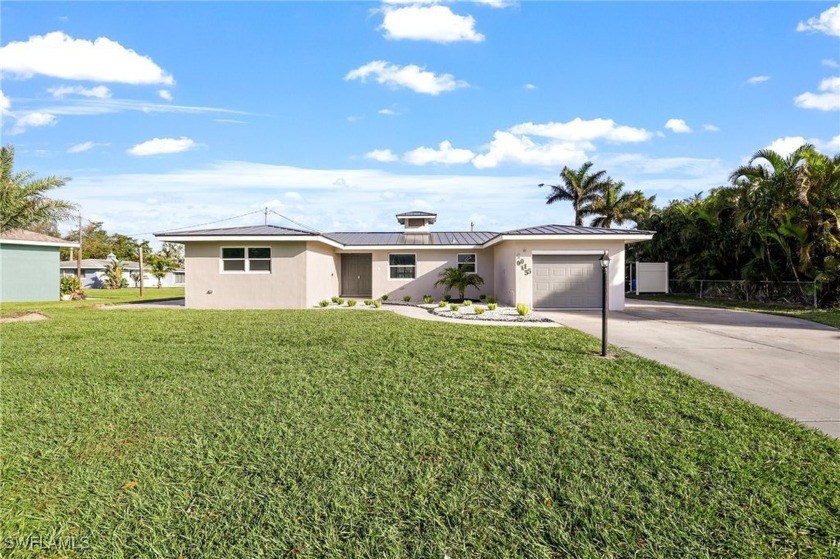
93	274
29	266
267	266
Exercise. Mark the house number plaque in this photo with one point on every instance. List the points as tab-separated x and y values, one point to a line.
523	265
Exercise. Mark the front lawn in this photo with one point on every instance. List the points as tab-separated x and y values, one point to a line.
829	317
182	433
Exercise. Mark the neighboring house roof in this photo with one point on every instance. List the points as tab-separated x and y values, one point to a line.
417	214
24	237
436	239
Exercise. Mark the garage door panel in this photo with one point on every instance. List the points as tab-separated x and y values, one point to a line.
567	281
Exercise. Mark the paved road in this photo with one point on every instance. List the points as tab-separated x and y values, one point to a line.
787	365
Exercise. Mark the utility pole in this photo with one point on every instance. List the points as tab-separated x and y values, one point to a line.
141	270
265	212
79	254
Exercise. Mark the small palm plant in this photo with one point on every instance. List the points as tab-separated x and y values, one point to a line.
456	278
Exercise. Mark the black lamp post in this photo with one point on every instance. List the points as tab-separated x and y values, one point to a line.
605	300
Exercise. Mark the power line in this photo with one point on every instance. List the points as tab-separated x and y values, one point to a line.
196	225
295	222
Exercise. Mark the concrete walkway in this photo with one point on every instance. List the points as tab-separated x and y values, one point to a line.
787	365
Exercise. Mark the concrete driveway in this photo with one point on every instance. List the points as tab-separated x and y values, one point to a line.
787	365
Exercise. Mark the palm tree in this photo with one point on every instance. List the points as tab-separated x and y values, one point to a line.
159	266
615	207
23	202
459	279
580	187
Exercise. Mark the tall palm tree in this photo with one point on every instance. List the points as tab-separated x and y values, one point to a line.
578	186
613	206
23	200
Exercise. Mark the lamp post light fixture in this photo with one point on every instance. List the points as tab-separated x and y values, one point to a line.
605	300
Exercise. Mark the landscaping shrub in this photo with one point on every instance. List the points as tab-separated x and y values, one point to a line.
522	309
447	297
483	296
442	304
407	298
453	307
70	285
467	302
479	310
491	306
339	301
323	302
491	299
377	304
335	299
428	299
384	297
368	302
351	302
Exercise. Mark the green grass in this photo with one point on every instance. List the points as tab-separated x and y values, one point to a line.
829	317
358	434
95	297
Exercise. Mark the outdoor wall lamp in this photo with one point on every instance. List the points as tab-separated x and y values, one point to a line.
605	298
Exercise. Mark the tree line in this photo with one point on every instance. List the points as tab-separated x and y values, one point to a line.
776	220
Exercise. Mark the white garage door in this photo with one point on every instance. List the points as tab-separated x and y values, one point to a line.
567	281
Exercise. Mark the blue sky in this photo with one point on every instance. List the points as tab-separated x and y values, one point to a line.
340	115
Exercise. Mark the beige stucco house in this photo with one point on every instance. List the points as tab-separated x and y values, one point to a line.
266	266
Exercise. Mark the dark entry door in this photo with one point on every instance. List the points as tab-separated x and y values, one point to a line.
356	275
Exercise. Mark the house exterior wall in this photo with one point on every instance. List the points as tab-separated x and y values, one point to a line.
209	287
322	273
514	285
29	273
429	265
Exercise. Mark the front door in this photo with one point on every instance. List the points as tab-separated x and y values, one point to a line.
356	275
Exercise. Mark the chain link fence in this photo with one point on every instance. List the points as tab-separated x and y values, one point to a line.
779	292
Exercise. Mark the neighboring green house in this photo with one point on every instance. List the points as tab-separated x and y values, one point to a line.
29	266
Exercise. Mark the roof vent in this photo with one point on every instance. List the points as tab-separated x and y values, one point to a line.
416	222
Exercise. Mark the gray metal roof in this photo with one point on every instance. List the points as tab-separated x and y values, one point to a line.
355	238
573	230
256	230
391	239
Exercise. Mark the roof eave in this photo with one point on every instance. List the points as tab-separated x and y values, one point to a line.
61	244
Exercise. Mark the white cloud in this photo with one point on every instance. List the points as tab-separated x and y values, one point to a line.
833	145
412	77
828	100
165	94
429	23
529	86
34	119
579	130
61	56
496	3
99	91
5	103
711	128
388	112
830	63
828	22
678	126
381	155
445	154
293	196
354	118
787	145
84	107
521	150
754	80
79	148
158	146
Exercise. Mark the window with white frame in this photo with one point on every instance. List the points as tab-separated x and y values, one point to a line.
246	259
402	266
466	262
